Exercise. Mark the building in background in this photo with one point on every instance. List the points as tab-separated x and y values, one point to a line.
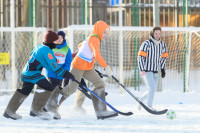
57	14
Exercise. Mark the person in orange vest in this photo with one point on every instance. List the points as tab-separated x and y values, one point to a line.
83	66
80	97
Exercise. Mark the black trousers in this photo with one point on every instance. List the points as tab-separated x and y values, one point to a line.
28	87
63	83
55	82
66	81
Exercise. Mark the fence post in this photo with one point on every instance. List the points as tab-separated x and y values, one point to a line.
12	25
156	22
120	46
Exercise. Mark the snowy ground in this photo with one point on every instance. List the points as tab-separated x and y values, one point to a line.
186	106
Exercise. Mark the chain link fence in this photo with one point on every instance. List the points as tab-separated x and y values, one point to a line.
25	40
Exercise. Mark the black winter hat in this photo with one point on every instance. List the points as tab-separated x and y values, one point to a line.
62	34
50	37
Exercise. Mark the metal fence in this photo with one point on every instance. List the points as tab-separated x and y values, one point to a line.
25	39
183	63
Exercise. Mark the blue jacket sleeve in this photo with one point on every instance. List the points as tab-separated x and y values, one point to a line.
68	60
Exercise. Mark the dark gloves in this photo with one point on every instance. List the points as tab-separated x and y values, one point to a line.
163	73
100	74
68	75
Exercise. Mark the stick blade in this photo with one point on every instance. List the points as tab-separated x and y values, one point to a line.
153	111
127	114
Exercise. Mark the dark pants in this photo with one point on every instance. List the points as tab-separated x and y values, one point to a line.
28	87
55	82
66	81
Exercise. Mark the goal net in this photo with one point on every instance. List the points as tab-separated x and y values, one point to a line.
193	63
16	44
121	47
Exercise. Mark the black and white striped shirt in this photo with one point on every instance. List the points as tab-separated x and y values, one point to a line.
152	57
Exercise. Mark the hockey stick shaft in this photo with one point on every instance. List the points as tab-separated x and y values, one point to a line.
103	75
84	92
141	103
117	111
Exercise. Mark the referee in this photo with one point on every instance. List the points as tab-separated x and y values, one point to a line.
152	57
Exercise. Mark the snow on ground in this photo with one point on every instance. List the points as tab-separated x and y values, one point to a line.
186	106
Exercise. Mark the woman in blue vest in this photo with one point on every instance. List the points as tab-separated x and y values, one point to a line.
63	55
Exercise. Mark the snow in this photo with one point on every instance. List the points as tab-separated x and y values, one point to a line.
186	106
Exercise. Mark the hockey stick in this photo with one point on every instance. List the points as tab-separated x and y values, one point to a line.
101	74
117	111
85	91
82	90
141	103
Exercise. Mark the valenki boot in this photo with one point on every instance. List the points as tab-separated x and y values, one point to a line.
80	98
100	107
54	102
15	102
40	99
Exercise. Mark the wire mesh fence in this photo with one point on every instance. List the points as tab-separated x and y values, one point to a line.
25	40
